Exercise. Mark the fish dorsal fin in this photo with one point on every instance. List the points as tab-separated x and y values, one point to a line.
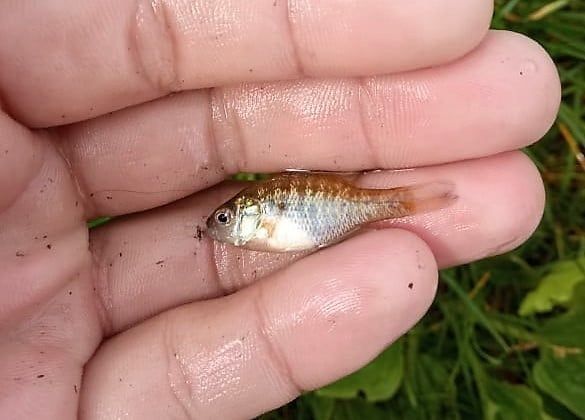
348	175
320	172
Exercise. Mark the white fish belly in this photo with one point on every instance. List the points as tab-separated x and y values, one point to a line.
286	235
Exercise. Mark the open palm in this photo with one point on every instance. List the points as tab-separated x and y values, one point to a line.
146	317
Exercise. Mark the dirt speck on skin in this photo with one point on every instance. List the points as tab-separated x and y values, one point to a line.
19	254
160	262
40	376
198	233
49	246
75	389
419	265
108	197
120	254
411	286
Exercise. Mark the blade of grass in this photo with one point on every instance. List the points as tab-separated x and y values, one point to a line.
568	136
474	310
547	9
572	121
98	222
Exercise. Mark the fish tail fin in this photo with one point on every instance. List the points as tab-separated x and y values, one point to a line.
422	198
415	199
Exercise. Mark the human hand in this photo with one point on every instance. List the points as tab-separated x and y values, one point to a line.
132	320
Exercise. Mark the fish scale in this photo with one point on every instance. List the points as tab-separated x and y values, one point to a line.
328	211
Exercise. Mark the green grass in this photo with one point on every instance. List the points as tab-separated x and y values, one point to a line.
506	337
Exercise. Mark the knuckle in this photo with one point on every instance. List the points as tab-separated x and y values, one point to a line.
153	46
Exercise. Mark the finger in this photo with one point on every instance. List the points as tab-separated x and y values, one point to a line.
237	357
161	259
86	58
501	97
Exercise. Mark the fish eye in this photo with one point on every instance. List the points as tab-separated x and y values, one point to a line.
223	216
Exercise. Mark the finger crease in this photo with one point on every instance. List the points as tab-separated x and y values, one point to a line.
59	139
368	139
222	286
237	143
289	26
101	278
275	353
213	138
178	386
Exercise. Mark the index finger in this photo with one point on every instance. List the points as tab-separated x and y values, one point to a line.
86	58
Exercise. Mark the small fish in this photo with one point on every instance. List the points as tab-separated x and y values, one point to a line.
299	211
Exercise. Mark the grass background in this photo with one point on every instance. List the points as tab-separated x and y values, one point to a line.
506	337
